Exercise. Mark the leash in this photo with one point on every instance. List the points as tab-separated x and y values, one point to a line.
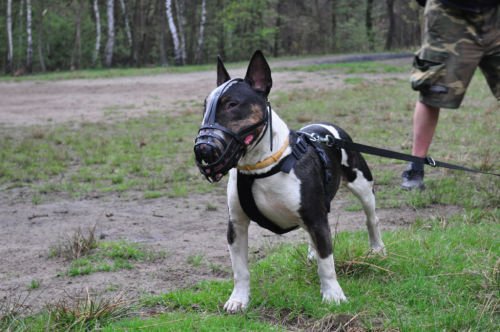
331	141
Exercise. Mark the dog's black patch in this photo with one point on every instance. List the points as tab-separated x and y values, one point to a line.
231	235
313	211
354	159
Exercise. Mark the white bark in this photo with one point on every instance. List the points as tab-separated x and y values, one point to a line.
20	31
97	48
29	50
201	35
127	24
111	33
39	29
181	21
173	31
10	51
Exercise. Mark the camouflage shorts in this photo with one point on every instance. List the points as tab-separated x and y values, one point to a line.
455	44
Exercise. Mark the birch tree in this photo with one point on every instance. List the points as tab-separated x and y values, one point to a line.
10	51
97	47
111	34
42	12
76	55
29	50
20	34
173	31
181	22
127	24
201	34
163	47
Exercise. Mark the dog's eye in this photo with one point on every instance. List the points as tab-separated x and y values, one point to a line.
231	104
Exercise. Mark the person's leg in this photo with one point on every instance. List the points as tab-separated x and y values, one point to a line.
425	119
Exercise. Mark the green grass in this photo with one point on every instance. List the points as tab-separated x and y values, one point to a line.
105	73
110	256
34	284
363	67
152	155
436	277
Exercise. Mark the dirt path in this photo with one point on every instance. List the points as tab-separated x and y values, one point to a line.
115	99
181	228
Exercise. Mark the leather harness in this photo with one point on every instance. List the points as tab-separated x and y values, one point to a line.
299	142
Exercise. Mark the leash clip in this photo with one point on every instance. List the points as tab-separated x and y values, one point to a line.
313	137
330	140
430	161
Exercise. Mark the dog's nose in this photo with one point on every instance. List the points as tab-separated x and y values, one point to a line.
206	153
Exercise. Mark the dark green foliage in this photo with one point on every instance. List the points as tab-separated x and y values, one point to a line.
233	29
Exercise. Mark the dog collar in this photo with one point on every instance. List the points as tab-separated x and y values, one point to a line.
268	161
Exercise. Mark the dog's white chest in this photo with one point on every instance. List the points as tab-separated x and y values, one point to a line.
278	198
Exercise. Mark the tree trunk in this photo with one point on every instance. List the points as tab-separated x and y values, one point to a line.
41	57
173	31
29	50
221	43
97	47
76	55
334	26
369	25
390	31
20	34
139	33
278	27
201	36
127	24
10	52
321	31
111	34
181	22
163	28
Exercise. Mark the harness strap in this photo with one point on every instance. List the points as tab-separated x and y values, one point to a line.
299	144
247	201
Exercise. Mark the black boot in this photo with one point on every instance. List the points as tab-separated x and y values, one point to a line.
413	177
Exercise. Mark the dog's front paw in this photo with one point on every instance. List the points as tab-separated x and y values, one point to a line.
333	294
237	302
233	306
378	250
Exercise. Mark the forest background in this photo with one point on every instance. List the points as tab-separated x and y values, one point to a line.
54	35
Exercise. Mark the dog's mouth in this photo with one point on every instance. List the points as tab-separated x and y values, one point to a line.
249	139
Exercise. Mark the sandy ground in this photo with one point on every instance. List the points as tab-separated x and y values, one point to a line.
180	228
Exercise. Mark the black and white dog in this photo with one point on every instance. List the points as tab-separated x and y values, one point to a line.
281	179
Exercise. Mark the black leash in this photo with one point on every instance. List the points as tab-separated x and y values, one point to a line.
329	140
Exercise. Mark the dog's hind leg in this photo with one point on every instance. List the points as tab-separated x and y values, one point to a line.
322	241
362	188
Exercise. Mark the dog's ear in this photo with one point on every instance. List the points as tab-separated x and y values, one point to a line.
222	75
259	74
